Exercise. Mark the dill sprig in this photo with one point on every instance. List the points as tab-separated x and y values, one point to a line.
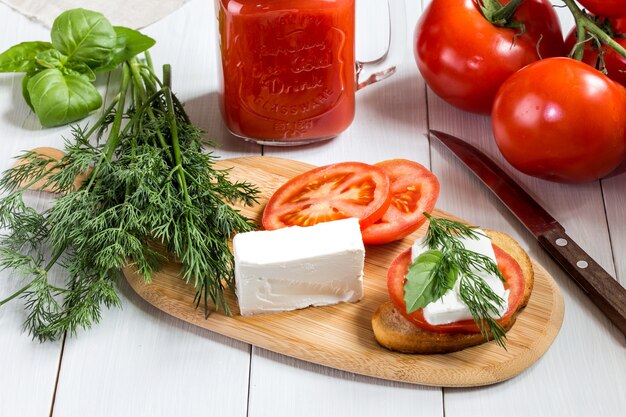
444	236
151	193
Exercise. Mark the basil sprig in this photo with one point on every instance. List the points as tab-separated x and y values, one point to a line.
423	286
59	74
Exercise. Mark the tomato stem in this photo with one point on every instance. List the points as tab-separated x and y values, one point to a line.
583	25
500	15
505	13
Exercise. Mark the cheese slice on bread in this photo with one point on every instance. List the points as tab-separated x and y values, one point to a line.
395	332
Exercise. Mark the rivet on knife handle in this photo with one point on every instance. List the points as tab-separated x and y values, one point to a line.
605	292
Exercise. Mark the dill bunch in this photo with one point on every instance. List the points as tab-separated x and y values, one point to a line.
151	193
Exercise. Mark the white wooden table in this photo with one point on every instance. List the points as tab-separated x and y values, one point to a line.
140	362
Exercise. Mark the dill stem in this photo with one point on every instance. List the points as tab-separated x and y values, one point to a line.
100	121
17	293
143	96
182	109
140	109
171	116
114	135
148	57
54	260
27	286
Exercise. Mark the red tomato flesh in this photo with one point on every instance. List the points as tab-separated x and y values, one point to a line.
414	190
332	192
605	8
514	282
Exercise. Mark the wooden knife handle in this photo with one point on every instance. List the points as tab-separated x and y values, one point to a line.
602	288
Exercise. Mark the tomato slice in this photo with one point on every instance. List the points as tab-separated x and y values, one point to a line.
514	282
414	190
332	192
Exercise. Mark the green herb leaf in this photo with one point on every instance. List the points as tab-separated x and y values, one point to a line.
58	99
80	69
129	43
51	58
21	57
25	93
134	41
84	36
424	280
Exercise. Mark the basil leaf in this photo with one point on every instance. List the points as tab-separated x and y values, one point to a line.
84	36
51	58
59	99
129	43
80	69
25	93
422	286
21	57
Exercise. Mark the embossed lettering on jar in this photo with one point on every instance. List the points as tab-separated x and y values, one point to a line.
288	68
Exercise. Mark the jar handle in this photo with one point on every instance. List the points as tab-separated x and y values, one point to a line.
370	72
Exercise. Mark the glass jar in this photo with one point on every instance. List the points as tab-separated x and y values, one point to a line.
289	73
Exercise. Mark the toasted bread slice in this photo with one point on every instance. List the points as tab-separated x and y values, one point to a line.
395	332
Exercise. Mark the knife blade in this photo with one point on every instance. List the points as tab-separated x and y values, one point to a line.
603	290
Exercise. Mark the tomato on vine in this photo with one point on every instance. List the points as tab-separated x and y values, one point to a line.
605	8
602	56
465	49
561	120
598	53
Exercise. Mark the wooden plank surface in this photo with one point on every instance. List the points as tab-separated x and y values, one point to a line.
581	375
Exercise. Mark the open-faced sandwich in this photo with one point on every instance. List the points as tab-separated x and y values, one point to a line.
456	287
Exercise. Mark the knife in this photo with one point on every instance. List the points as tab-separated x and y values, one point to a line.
605	292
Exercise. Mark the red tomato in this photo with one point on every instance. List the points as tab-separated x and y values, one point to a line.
414	190
464	58
618	26
514	282
615	63
561	120
605	8
331	192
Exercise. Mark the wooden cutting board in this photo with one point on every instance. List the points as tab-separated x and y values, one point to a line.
341	336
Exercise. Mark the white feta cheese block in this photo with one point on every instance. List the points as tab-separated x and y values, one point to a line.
450	307
297	267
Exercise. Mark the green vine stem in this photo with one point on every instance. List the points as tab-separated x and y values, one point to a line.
499	15
584	25
506	13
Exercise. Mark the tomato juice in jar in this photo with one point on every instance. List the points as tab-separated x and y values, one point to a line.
288	69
